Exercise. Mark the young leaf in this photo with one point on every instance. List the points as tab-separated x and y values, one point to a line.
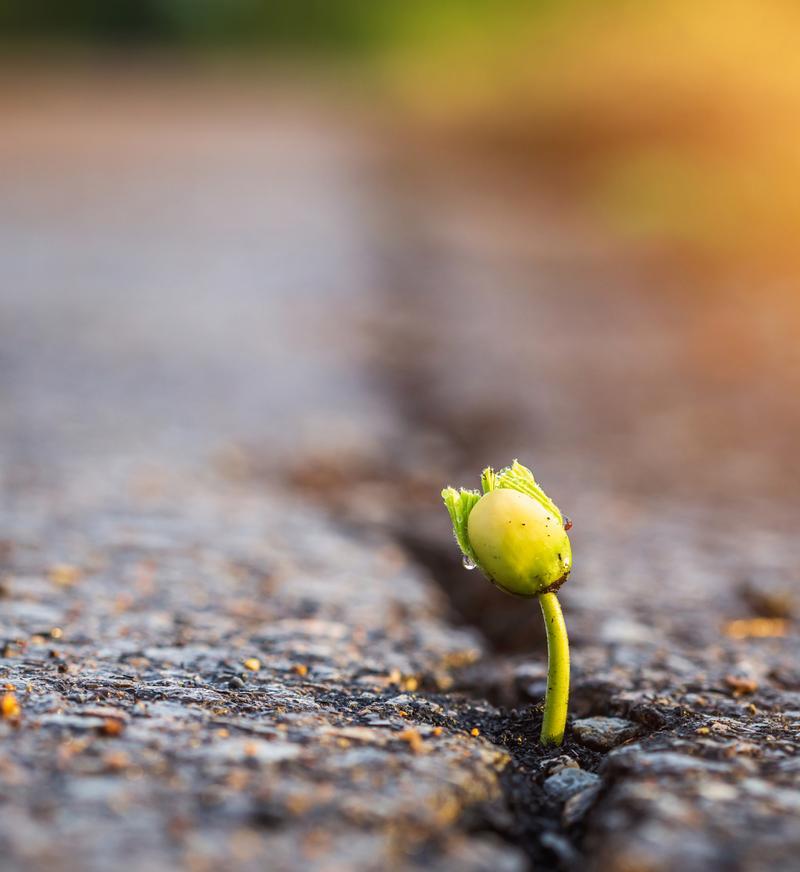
519	478
459	504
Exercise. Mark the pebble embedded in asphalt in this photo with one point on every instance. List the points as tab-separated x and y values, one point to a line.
568	782
603	734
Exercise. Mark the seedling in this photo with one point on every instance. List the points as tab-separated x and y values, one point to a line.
515	534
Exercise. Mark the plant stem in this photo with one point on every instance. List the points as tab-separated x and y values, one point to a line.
555	701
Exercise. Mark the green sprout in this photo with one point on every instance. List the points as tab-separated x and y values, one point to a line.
515	534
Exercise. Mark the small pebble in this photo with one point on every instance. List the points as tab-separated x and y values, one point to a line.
569	782
603	734
413	739
236	683
64	575
112	727
577	806
9	707
563	761
741	685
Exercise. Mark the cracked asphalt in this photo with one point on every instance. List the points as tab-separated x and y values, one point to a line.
244	341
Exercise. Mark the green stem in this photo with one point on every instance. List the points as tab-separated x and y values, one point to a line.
555	701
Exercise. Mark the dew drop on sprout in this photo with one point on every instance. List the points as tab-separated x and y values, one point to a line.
468	563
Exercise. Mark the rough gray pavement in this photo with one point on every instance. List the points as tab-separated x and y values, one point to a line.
242	349
216	678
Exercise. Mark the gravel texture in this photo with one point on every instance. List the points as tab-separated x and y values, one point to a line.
215	678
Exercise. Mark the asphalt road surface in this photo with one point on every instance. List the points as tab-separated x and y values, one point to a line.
245	338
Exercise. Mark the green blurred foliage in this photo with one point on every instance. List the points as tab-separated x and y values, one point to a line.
337	25
345	24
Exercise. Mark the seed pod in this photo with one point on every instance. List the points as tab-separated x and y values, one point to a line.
520	545
514	533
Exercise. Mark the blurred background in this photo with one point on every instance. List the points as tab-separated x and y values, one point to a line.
365	249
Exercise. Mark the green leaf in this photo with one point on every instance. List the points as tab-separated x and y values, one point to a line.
488	478
519	478
459	504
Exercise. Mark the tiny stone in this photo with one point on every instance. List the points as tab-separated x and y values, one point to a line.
602	734
236	683
9	707
740	684
577	806
568	782
563	761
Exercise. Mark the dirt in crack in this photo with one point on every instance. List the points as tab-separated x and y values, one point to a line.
542	812
545	815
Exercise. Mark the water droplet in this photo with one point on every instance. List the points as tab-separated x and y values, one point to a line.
468	563
567	523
